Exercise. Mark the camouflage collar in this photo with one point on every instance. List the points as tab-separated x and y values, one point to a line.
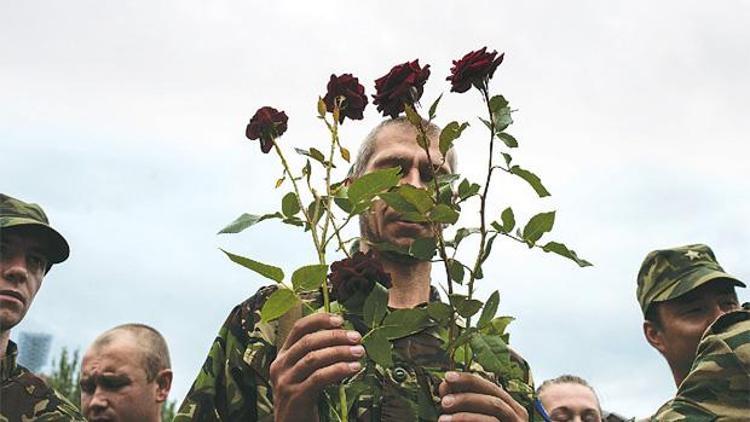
8	364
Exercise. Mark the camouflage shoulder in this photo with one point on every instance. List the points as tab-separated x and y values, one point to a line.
32	399
683	411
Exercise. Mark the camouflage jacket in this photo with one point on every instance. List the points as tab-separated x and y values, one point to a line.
26	397
233	384
717	388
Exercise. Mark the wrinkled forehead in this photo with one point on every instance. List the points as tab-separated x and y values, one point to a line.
115	357
401	140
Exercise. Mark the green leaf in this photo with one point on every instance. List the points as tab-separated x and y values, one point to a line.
486	123
537	226
444	214
464	306
344	203
420	198
488	248
498	325
345	154
379	348
509	220
531	179
309	277
423	248
456	270
497	103
563	250
463	233
371	184
313	153
509	140
439	311
412	115
376	306
490	309
450	133
290	204
433	107
404	322
397	202
246	220
268	271
507	158
491	352
467	189
278	304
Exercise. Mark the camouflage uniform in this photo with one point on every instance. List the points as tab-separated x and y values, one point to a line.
718	384
26	397
233	384
23	395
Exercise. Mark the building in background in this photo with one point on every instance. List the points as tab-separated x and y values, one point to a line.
33	350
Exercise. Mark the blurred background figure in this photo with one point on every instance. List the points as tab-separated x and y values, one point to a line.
33	350
569	398
126	375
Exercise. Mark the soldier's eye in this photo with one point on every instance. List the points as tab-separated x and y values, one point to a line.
87	387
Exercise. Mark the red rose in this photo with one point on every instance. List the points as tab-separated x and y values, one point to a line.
475	68
355	100
403	84
267	124
353	278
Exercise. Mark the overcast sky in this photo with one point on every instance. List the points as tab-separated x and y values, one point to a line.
125	120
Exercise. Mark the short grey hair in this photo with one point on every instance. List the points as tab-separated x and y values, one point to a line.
367	149
154	351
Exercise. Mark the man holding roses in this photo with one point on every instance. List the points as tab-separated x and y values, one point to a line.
252	374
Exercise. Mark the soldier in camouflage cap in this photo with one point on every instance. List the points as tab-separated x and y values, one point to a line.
29	248
686	299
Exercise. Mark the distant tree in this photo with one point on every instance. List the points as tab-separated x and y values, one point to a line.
65	376
168	410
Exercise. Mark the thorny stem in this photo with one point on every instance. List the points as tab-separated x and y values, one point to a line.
313	228
452	334
482	213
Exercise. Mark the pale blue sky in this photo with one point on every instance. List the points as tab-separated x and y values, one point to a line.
125	120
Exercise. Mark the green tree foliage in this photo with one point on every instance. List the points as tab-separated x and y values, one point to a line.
65	376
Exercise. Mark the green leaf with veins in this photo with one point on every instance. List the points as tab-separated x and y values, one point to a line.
269	271
371	184
563	250
490	309
537	226
309	277
376	306
290	204
450	133
278	304
491	352
404	322
378	348
532	179
423	248
246	220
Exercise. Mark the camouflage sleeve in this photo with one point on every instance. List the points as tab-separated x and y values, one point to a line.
718	385
232	384
29	398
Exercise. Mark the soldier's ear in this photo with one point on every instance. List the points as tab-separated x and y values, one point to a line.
654	335
163	385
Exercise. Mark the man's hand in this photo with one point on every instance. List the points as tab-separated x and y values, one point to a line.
317	353
469	397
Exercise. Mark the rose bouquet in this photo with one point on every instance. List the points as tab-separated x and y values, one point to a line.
472	336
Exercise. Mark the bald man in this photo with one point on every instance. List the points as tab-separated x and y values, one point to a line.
126	375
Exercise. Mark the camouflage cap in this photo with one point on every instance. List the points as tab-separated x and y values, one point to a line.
16	213
670	273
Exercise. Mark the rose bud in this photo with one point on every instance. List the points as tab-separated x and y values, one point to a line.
267	124
403	84
353	278
475	68
353	93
